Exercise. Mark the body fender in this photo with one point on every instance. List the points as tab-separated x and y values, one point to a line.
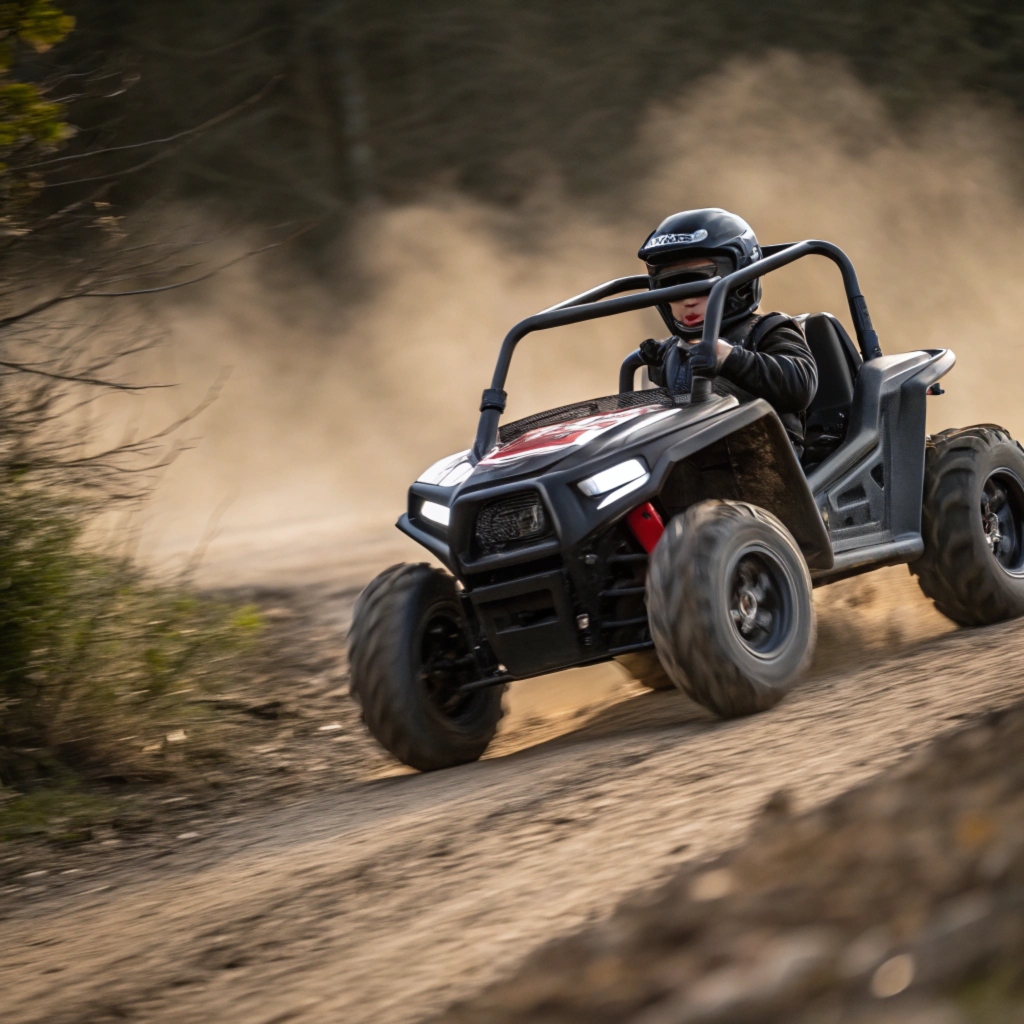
745	455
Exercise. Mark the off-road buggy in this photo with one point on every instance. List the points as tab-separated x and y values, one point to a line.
678	533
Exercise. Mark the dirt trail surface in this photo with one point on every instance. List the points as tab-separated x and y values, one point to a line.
900	901
383	896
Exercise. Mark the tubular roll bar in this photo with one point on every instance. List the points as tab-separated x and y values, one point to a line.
596	303
573	311
776	256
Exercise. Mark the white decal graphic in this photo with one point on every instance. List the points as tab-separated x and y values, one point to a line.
682	239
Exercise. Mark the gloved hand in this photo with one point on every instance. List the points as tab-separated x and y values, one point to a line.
722	352
651	352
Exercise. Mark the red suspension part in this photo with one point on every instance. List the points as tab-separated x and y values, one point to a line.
646	525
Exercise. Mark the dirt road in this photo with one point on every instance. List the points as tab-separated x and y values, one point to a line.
385	899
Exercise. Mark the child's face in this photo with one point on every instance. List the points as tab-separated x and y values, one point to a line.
690	312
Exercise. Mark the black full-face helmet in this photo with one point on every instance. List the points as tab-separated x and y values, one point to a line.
699	244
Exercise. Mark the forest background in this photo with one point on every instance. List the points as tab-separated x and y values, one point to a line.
388	102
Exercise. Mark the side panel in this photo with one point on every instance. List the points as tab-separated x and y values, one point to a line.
869	491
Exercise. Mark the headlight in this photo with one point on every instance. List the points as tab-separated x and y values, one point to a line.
436	513
448	472
609	479
507	522
620	480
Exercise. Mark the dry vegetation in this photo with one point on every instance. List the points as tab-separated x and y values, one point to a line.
96	659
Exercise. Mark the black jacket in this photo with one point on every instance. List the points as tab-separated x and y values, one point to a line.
773	363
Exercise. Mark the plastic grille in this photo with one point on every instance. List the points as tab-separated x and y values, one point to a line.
517	519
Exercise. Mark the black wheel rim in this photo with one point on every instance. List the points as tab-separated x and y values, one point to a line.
446	664
1002	520
760	602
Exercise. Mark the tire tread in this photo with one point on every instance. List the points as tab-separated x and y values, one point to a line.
968	589
389	708
681	591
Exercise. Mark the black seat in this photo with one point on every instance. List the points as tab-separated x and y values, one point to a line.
838	362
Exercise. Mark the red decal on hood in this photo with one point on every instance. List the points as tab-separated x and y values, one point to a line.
571	434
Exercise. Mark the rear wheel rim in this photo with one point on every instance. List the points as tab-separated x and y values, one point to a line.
761	604
1002	520
446	664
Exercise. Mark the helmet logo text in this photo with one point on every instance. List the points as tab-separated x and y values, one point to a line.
681	239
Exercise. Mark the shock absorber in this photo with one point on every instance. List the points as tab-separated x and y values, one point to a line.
647	525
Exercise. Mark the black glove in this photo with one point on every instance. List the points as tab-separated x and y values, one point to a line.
651	352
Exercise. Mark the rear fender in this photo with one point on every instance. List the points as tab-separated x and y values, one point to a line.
745	455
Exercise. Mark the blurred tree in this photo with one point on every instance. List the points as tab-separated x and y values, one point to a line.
486	96
31	123
63	342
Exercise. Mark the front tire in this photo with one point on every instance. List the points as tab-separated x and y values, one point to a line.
730	608
408	655
972	523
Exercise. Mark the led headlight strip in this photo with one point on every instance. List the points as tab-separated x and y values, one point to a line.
436	513
620	480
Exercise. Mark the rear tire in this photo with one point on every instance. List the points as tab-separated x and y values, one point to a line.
646	668
408	653
730	608
972	523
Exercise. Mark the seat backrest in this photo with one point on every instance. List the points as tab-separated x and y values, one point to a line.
837	361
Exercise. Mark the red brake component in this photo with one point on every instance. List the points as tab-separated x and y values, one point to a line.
646	525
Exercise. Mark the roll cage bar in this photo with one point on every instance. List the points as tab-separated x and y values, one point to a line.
597	302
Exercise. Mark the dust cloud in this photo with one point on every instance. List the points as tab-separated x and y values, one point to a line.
335	404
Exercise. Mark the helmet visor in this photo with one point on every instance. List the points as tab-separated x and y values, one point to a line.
689	270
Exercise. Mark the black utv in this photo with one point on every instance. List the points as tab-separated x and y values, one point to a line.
679	533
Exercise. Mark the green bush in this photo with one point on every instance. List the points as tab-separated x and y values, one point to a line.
101	668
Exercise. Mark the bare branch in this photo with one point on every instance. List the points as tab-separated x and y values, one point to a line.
75	296
72	378
187	133
195	280
216	51
148	443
